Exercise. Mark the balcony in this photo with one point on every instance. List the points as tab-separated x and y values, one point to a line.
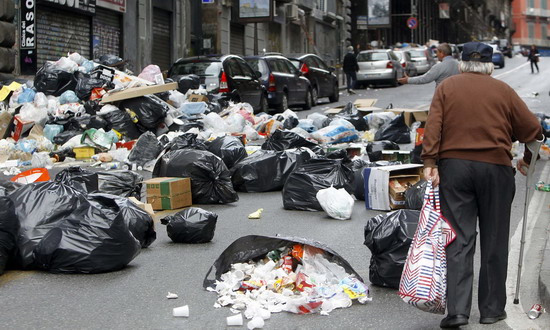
537	12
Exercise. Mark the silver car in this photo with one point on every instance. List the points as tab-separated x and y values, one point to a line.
406	62
378	66
423	59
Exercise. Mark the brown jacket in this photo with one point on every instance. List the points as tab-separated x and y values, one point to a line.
475	117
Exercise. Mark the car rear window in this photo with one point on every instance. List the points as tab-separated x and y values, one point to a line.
399	55
363	57
417	53
258	65
199	68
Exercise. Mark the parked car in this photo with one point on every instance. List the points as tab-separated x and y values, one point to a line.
285	84
406	62
324	82
227	75
381	65
423	59
498	58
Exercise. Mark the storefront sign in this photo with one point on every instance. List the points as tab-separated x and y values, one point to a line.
87	6
118	5
27	31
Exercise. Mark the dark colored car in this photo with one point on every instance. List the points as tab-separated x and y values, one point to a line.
324	82
228	75
498	58
285	84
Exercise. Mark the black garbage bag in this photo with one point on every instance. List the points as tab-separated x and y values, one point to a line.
266	170
415	155
255	247
65	230
229	148
396	131
9	228
337	154
186	141
139	222
351	114
146	149
301	187
210	178
282	140
92	106
124	183
374	149
186	125
192	225
389	236
65	136
7	186
61	155
122	122
51	80
414	196
188	82
358	165
110	60
149	109
85	84
79	178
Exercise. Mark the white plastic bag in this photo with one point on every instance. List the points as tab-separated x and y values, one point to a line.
338	203
29	112
149	72
215	122
77	58
66	64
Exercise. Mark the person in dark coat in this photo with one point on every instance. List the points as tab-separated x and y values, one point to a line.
534	58
350	69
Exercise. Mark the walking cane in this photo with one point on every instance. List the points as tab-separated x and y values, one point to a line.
534	146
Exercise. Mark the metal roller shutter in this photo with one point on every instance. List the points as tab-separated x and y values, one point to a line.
107	33
161	38
236	45
59	32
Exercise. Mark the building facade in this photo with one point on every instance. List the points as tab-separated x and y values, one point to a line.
531	19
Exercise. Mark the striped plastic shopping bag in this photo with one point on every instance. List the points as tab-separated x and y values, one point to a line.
424	278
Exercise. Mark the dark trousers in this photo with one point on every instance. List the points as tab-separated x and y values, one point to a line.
536	65
470	191
351	77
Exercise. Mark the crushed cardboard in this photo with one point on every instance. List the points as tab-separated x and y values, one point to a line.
364	106
133	92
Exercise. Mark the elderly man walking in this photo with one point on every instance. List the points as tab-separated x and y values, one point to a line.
447	67
466	151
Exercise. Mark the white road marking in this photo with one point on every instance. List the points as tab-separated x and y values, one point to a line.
513	70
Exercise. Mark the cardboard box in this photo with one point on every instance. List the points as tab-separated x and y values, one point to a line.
403	156
411	115
363	105
170	202
144	206
137	92
398	185
169	193
197	98
377	187
5	121
20	127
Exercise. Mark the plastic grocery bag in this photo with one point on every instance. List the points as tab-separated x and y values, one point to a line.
338	203
192	225
124	183
9	228
149	72
388	236
210	178
79	178
335	134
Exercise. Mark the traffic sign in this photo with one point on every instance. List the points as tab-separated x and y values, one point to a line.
412	23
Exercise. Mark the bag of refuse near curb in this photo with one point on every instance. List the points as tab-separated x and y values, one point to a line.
389	236
51	80
414	196
186	141
122	122
267	170
302	185
358	178
85	84
210	178
192	225
124	183
282	140
9	229
337	203
374	149
79	178
139	222
229	148
396	131
146	149
149	109
65	230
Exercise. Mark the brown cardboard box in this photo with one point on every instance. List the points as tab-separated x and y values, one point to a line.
5	121
411	115
144	206
398	185
20	127
170	202
197	98
364	106
137	92
169	193
377	184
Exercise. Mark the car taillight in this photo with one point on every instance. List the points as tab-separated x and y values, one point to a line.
389	65
304	68
403	64
223	84
271	83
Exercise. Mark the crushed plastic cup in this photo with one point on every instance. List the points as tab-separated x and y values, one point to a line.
256	323
182	311
235	320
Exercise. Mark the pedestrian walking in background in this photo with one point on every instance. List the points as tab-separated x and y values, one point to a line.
533	57
466	151
448	66
350	69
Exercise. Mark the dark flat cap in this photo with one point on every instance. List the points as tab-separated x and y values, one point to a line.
484	51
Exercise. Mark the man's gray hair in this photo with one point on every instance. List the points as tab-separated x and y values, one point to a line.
445	49
476	66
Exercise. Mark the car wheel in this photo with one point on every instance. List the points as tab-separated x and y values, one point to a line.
284	103
394	82
502	65
264	105
335	94
309	100
314	96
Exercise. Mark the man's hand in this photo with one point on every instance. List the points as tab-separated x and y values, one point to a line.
432	174
404	80
522	166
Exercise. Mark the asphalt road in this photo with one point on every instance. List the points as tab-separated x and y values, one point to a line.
135	297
